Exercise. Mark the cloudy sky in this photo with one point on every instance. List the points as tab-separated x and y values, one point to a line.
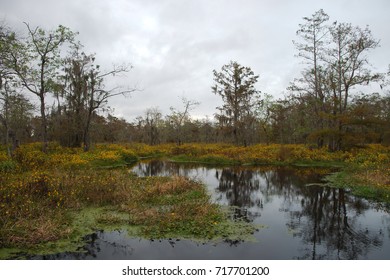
174	45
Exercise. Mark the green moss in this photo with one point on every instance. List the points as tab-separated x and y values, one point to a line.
205	159
348	180
234	229
328	164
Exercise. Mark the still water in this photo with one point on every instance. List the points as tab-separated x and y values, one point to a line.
303	219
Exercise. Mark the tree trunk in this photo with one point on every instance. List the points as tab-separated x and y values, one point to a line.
86	140
43	123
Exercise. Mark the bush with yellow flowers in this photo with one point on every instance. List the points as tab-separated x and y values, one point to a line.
31	157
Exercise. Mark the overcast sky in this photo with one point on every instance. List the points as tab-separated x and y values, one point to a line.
174	45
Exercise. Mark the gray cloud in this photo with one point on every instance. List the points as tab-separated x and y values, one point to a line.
175	44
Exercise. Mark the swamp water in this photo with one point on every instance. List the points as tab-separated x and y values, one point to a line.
303	219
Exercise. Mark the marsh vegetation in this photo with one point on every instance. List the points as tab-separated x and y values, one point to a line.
62	195
64	169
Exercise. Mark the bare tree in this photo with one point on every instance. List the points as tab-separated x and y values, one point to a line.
177	118
85	91
37	62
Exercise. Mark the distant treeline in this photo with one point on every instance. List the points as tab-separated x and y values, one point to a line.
328	105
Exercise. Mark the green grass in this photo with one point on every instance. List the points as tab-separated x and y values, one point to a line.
326	164
205	159
349	179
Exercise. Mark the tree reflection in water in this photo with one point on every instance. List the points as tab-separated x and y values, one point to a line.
238	186
317	215
306	219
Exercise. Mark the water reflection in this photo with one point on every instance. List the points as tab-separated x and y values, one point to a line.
332	219
328	223
304	219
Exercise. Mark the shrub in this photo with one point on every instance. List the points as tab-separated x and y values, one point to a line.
30	157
